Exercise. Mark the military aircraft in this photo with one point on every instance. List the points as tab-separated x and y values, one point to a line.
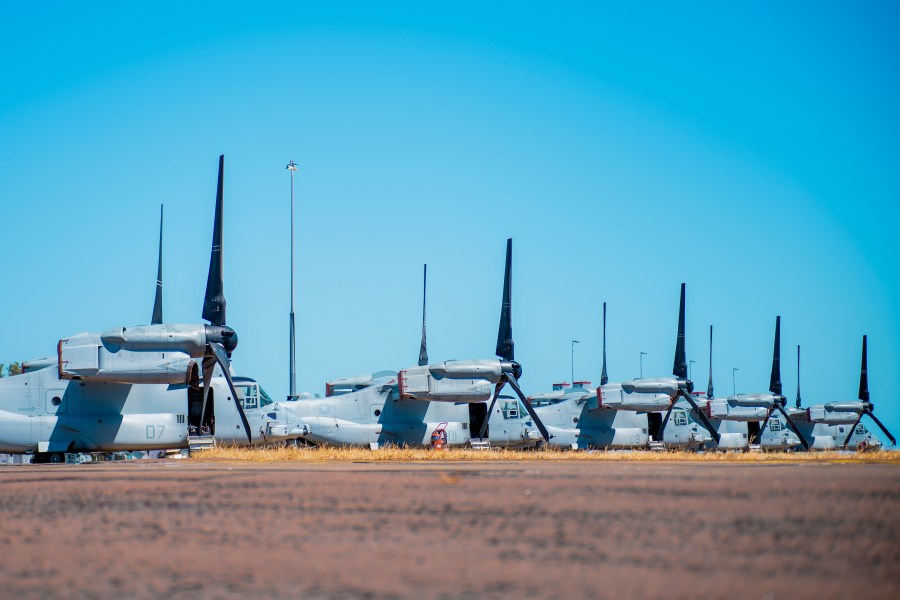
130	388
408	407
838	424
574	421
753	409
668	396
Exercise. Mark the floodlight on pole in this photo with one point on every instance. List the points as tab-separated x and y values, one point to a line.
733	385
690	368
292	167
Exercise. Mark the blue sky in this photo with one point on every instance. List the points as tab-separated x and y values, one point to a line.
750	151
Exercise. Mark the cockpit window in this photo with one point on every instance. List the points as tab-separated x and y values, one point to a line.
775	425
264	399
680	417
510	409
248	395
861	429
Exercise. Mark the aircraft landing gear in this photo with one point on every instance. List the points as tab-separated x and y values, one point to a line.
49	457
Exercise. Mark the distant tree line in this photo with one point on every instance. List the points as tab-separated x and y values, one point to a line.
13	369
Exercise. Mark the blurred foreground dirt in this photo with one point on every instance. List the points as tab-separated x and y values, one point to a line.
187	529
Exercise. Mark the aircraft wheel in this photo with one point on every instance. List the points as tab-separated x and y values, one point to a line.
57	457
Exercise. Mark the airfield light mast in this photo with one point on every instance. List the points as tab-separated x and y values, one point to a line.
292	167
733	385
643	354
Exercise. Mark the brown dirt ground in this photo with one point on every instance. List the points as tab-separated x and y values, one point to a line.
189	529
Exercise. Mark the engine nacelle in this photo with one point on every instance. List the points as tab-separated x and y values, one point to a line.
85	357
615	396
660	385
724	410
465	369
419	383
189	339
766	401
836	413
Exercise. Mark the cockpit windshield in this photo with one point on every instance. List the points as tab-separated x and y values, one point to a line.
511	409
251	395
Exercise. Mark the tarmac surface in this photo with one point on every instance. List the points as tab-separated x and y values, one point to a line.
189	529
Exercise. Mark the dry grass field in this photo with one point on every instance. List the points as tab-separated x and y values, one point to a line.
404	455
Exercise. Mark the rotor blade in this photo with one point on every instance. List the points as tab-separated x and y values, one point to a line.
883	428
864	375
537	420
798	377
775	377
484	425
222	359
706	423
793	426
680	368
423	348
852	429
214	301
763	427
209	363
709	388
662	428
505	344
604	379
157	317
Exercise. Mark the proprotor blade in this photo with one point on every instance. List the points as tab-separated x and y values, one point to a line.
852	429
222	358
484	425
209	363
883	428
680	368
214	301
864	375
537	420
706	423
763	426
775	377
604	379
505	344
423	348
793	426
157	317
709	387
798	377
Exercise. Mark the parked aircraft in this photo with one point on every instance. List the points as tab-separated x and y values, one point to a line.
130	388
838	424
409	406
753	409
574	422
661	396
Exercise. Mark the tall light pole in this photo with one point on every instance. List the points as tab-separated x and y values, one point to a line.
643	354
691	368
292	167
733	385
573	361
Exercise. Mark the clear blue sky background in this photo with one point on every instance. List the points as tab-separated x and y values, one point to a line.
749	150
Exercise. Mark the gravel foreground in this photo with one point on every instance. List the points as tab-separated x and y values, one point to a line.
516	529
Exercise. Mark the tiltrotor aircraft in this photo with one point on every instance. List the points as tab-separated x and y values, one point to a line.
574	420
838	424
668	396
753	409
408	407
130	388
